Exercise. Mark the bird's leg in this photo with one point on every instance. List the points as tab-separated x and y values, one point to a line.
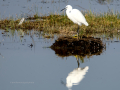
78	31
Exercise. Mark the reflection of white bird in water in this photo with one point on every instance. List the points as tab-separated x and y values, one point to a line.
76	16
76	76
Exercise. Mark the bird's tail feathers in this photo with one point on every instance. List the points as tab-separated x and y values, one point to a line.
86	23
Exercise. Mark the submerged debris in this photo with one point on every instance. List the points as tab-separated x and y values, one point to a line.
67	46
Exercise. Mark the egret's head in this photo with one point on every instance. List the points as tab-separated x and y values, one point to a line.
67	7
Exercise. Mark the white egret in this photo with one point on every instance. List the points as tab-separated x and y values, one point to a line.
76	16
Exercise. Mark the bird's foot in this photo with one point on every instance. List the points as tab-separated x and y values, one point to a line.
75	36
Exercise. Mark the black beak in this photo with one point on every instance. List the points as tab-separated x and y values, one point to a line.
62	9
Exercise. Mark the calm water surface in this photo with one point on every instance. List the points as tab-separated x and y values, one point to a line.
23	8
27	67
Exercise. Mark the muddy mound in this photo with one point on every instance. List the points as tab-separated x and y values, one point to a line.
67	46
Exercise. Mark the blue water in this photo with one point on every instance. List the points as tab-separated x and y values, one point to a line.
23	67
23	8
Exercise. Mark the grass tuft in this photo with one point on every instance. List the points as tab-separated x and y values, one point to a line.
98	23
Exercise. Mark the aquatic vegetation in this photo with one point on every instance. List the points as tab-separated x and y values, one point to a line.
98	23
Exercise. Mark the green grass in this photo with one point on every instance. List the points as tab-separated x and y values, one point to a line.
98	23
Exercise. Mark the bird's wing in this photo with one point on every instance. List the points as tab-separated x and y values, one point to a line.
78	16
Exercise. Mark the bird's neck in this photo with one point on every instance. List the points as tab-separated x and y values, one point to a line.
68	11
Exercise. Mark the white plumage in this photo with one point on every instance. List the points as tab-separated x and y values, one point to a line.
76	16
